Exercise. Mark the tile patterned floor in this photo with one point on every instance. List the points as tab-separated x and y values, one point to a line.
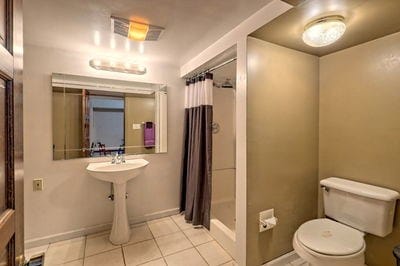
166	241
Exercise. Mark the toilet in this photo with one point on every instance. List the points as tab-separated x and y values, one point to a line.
352	209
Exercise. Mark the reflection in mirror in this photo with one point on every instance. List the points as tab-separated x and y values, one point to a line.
95	117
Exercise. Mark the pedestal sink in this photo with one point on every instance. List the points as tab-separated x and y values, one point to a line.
119	175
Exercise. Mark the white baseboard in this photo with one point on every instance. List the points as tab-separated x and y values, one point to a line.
283	260
35	242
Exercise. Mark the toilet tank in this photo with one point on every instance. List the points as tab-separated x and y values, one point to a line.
365	207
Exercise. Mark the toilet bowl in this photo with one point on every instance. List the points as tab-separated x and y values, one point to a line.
352	208
324	242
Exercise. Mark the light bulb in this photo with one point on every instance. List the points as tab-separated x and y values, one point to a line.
325	31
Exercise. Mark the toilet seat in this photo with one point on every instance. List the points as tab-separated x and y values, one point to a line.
327	237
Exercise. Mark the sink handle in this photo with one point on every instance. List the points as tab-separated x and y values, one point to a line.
114	158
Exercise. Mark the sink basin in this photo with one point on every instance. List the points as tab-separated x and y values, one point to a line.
119	175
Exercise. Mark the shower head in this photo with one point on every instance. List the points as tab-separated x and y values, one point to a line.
227	84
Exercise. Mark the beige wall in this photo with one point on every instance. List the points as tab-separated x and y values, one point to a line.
282	145
223	181
138	110
360	124
53	213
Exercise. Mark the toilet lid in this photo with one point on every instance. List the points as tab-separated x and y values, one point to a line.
330	238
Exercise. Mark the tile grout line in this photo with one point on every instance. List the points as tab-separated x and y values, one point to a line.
120	246
68	261
212	239
201	255
105	251
177	252
161	222
220	247
149	261
84	251
154	239
123	255
192	244
146	224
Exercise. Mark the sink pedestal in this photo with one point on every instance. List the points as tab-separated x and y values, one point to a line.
120	232
118	175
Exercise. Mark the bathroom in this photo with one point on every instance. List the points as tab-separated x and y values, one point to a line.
168	132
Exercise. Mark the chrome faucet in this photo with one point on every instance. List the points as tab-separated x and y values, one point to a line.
118	158
114	158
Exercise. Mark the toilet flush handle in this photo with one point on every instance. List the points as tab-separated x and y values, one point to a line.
325	188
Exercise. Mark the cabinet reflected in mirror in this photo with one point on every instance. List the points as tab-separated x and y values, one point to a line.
95	117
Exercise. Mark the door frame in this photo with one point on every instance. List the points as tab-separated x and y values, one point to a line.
8	216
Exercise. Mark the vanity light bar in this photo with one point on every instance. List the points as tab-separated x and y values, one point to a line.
117	66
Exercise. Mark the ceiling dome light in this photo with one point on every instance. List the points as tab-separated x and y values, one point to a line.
324	31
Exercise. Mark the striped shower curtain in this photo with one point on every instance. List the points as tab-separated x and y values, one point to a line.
197	154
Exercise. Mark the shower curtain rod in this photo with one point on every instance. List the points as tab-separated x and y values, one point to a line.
214	68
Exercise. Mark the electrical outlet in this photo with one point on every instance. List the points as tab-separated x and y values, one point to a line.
38	184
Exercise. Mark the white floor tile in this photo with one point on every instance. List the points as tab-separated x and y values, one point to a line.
298	262
107	232
99	244
163	227
139	233
213	253
179	219
198	236
159	220
141	252
73	263
173	243
159	262
230	263
109	258
65	251
189	257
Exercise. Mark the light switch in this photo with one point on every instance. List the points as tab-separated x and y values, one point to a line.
136	126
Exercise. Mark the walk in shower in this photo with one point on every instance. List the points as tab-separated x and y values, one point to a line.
223	163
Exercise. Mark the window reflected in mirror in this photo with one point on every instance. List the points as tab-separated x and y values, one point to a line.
98	117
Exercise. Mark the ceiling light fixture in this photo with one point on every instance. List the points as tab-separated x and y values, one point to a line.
117	66
324	31
137	31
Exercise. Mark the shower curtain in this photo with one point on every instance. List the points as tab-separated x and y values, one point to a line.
197	154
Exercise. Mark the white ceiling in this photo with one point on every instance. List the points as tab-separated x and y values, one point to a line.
191	25
365	20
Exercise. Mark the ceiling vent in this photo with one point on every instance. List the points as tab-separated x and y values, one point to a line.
135	30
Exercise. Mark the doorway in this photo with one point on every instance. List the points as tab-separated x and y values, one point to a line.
11	149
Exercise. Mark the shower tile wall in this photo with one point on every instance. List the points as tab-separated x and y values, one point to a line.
223	194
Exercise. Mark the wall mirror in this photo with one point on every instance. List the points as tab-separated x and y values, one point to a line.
94	117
